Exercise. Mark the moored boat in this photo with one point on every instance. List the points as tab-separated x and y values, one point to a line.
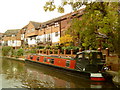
90	62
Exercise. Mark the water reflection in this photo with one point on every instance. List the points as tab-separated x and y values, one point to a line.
17	74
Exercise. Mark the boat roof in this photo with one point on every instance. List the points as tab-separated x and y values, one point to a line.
55	56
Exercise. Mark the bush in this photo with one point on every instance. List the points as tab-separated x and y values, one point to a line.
13	52
19	52
55	47
6	50
30	51
47	47
40	47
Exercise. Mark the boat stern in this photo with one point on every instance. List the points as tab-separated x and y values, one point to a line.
97	77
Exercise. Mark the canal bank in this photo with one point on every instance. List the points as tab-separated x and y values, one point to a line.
14	58
116	77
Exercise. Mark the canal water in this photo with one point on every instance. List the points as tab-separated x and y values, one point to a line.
18	74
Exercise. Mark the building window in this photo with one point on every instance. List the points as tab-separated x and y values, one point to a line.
30	38
12	41
48	27
28	31
33	29
48	38
68	63
26	40
34	38
13	35
56	34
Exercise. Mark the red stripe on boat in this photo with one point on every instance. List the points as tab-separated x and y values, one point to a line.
97	78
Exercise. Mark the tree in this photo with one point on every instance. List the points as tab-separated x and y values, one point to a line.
93	15
111	27
6	50
75	4
67	39
74	31
98	17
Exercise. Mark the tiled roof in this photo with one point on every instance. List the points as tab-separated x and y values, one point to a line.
35	24
63	17
12	31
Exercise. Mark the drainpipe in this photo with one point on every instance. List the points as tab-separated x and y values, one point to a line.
51	34
60	27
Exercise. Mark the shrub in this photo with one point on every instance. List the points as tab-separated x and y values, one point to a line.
55	47
47	47
6	50
40	47
19	52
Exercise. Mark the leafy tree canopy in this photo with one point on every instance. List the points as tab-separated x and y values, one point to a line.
66	39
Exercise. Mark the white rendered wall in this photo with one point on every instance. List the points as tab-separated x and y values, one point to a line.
55	38
14	43
52	36
31	42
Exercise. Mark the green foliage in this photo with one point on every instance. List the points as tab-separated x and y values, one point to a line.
110	26
50	5
6	50
47	47
40	47
56	47
66	39
60	9
74	30
13	52
98	17
32	51
19	52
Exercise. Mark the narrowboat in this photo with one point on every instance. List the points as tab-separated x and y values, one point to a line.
90	62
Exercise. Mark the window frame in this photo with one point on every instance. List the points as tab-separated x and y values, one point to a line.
67	63
38	58
31	57
45	59
52	61
56	34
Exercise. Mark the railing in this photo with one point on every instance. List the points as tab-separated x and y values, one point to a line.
59	52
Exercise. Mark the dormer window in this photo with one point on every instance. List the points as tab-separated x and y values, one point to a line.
13	35
33	29
56	24
28	31
48	26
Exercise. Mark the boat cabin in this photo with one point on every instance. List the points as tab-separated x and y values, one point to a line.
89	60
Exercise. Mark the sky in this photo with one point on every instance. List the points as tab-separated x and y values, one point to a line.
15	14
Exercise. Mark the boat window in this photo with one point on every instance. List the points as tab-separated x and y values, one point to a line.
31	57
67	63
38	58
52	61
45	59
99	56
